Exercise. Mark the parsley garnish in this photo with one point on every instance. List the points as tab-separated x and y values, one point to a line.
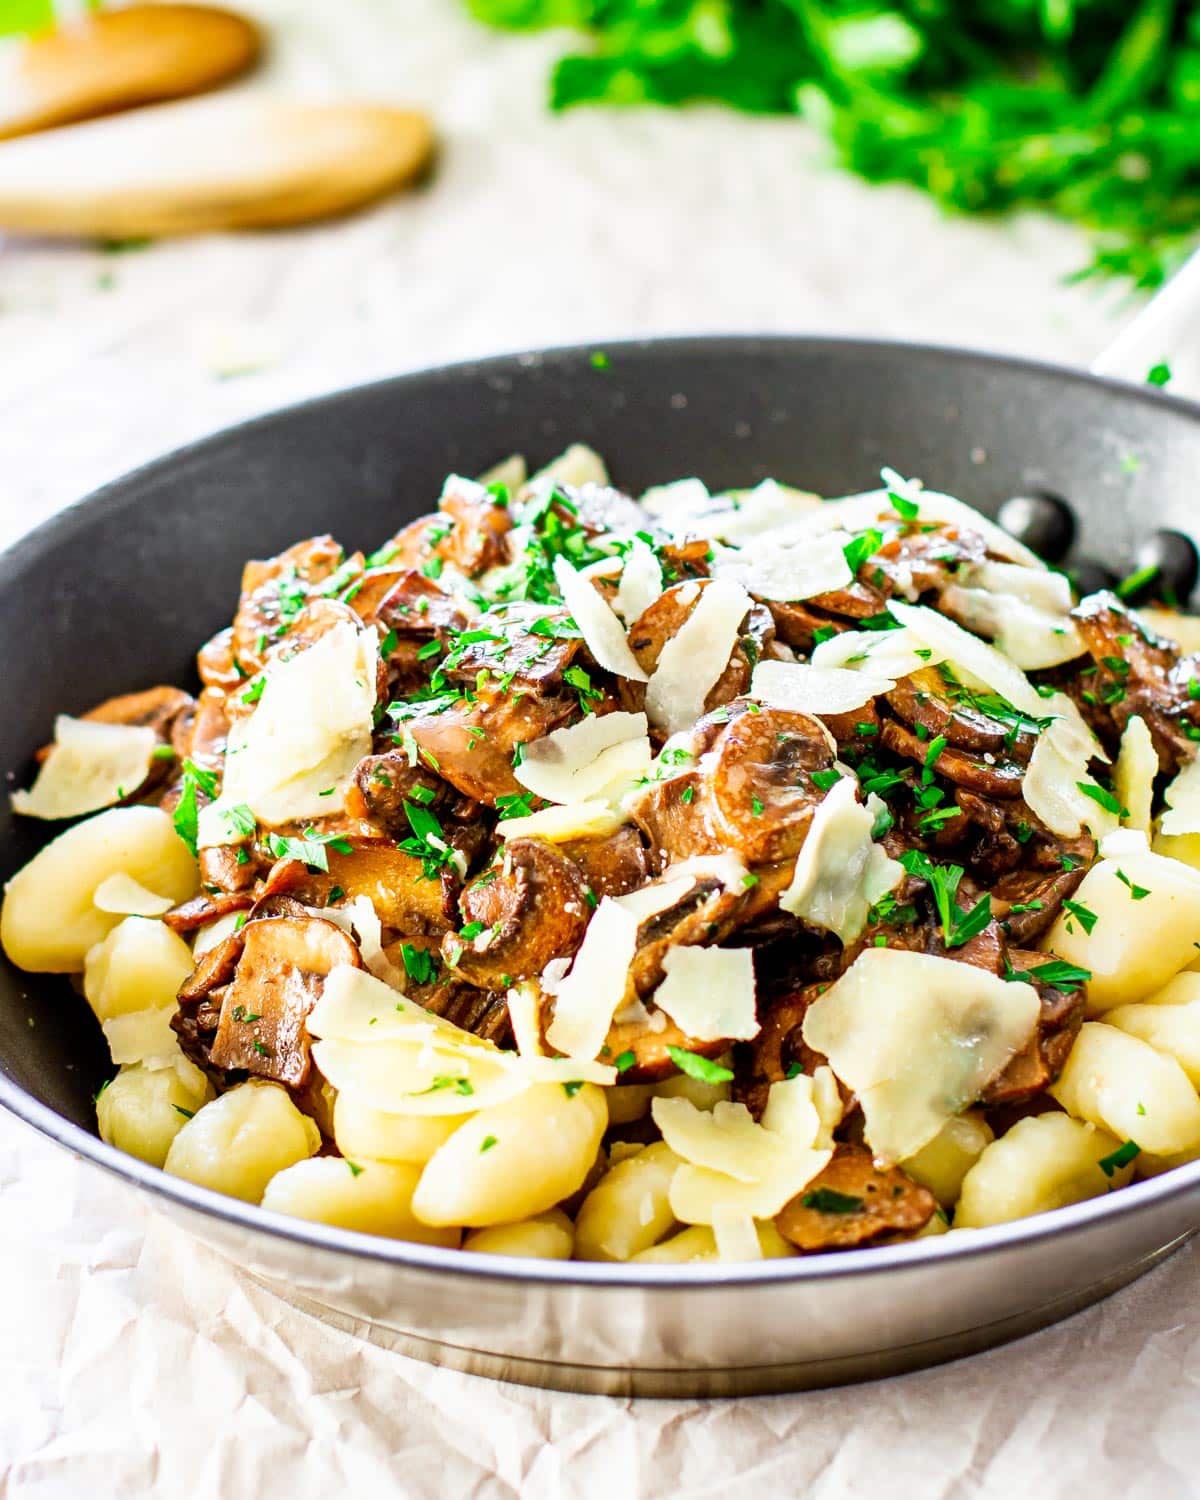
828	1201
1056	972
1084	915
702	1069
624	1062
958	927
1136	892
310	849
1103	797
187	811
1121	1157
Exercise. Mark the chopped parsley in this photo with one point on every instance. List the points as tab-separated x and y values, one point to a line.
420	964
1084	915
828	1201
958	927
487	1143
1136	892
310	849
355	1169
572	1088
1119	1158
1056	972
186	817
624	1061
1103	798
702	1069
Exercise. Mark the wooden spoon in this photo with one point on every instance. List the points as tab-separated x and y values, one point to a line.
248	162
117	59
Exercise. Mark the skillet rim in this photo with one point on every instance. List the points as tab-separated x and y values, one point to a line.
27	549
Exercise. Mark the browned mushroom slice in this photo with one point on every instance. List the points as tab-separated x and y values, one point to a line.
415	611
857	601
155	708
612	865
664	619
523	912
671	815
1041	1060
1027	901
198	1011
216	665
482	1012
990	776
404	898
925	558
203	909
468	533
927	704
853	1202
274	592
640	1047
705	912
778	1051
800	626
278	980
530	646
383	783
1133	671
471	742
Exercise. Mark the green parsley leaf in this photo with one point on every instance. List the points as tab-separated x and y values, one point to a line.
702	1069
1121	1157
1136	892
186	817
828	1201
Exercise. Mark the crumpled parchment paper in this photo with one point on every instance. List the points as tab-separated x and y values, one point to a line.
133	1362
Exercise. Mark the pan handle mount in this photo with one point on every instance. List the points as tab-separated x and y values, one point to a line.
1164	332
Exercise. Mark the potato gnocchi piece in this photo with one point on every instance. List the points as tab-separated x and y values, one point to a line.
942	1165
514	1160
549	1236
1043	1162
372	1197
362	1131
49	919
240	1141
699	1243
1123	1085
629	1208
1147	911
1173	1030
138	966
142	1110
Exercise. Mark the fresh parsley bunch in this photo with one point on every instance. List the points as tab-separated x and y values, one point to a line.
1087	108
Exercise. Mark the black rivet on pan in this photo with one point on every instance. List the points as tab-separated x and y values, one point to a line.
1170	564
1088	577
1043	521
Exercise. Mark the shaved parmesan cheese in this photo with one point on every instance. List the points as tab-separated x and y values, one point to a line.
215	932
778	568
792	1112
582	760
671	888
594	990
1184	630
641	581
709	993
1182	797
882	653
414	1078
677	501
752	513
90	765
736	1237
128	898
841	872
701	1196
360	920
354	1006
726	1138
576	820
142	1036
858	511
524	1005
603	633
799	688
917	1038
578	465
1026	611
981	665
693	659
1058	769
310	729
1134	773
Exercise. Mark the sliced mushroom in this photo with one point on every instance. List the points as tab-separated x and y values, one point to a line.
926	704
526	910
468	533
646	1040
412	611
778	1051
750	788
989	775
216	665
278	980
405	898
274	592
1133	671
612	865
664	619
203	909
471	742
383	783
1027	901
853	1202
1041	1060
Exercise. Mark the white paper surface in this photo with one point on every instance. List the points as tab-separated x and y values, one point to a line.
136	1363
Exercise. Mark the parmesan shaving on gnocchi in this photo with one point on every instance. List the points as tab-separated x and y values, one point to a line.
694	877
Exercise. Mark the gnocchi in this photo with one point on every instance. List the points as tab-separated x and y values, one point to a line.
240	1140
1042	1162
549	1236
629	1209
1127	1087
143	1109
373	1197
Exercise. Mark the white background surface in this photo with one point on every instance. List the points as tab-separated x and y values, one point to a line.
133	1362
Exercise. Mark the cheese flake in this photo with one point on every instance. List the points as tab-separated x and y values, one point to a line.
603	633
310	729
800	688
841	871
90	765
594	990
917	1038
709	993
693	659
1025	611
126	897
774	567
882	653
641	581
582	760
1057	770
142	1036
1134	773
1182	797
574	820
